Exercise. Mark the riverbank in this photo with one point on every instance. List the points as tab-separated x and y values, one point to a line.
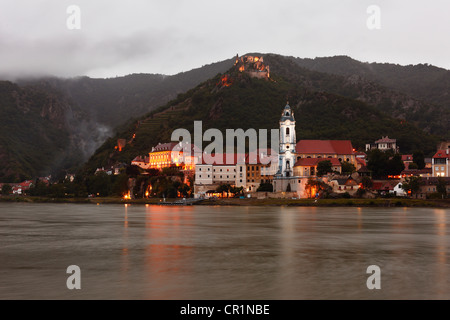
382	202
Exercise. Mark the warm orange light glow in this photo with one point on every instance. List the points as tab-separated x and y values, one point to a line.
127	196
225	81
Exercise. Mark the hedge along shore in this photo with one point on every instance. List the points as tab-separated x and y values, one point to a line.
352	202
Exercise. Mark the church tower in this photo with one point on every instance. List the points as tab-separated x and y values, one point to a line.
288	141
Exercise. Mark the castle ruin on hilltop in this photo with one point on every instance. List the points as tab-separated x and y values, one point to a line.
253	66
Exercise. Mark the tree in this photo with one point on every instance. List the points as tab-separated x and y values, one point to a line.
323	167
133	171
39	189
314	186
366	182
413	166
395	165
347	167
99	184
441	187
265	187
412	185
377	162
419	159
120	185
6	189
237	190
224	188
57	190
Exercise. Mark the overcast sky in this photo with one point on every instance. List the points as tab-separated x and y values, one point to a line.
141	36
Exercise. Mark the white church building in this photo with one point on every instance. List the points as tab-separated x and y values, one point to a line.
285	179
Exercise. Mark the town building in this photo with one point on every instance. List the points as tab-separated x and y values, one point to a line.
441	163
344	184
364	172
244	170
285	180
383	187
341	150
398	190
407	160
298	160
425	173
166	155
383	144
430	186
307	167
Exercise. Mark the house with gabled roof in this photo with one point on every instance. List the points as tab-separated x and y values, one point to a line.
343	184
383	144
441	163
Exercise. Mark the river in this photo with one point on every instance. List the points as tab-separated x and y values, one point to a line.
220	252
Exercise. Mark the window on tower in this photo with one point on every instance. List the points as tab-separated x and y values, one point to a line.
287	131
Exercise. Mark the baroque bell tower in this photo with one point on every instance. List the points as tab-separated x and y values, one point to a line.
287	154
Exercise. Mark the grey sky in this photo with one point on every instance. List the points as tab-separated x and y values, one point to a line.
133	36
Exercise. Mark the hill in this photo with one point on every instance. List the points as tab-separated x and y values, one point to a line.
416	93
236	100
39	132
51	125
111	102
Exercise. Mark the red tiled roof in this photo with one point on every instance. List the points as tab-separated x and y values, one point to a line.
441	154
382	185
138	159
363	169
165	146
181	148
362	162
407	157
416	171
312	162
324	147
385	140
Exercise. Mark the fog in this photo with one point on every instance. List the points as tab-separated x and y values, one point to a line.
118	38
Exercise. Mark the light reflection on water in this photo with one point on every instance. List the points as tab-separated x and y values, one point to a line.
196	252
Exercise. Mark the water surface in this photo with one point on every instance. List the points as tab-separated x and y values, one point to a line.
198	252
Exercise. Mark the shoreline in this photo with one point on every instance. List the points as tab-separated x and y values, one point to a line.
351	202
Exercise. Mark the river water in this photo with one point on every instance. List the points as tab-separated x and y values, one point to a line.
199	252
